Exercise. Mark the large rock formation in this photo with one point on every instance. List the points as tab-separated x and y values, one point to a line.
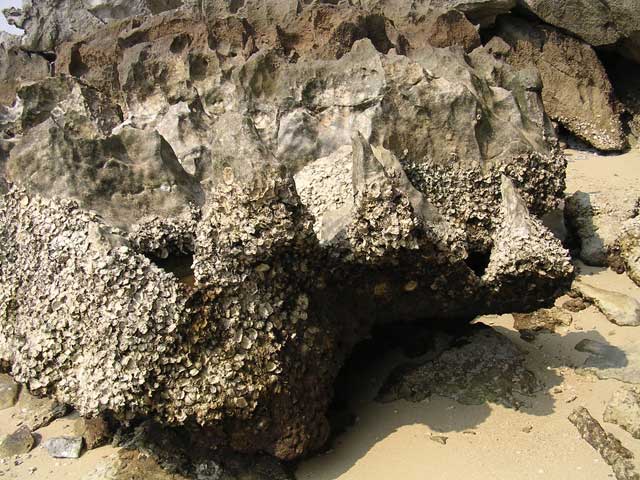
205	212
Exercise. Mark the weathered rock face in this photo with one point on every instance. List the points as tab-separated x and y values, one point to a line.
319	180
47	23
607	227
615	22
577	91
17	67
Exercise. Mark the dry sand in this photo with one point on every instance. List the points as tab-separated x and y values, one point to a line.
392	441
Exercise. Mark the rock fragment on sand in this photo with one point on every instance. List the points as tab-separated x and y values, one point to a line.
9	391
608	361
608	446
619	308
483	366
18	443
629	246
439	439
38	412
64	447
543	320
624	409
575	305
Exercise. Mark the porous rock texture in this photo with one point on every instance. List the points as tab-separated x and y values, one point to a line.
606	225
609	447
310	171
577	91
482	366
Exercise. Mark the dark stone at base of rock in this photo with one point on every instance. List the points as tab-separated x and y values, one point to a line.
543	320
575	305
95	431
18	443
184	453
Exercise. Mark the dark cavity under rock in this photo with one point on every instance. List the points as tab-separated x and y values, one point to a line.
482	366
608	446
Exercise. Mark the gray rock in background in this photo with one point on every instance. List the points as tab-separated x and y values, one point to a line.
607	361
577	91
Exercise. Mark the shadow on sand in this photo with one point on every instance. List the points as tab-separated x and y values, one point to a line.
371	364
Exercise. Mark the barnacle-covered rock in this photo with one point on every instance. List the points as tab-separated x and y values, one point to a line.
205	211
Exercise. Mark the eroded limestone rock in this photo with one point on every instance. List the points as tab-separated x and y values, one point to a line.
17	67
310	192
577	92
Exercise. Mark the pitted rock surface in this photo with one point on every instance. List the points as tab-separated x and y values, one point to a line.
311	179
